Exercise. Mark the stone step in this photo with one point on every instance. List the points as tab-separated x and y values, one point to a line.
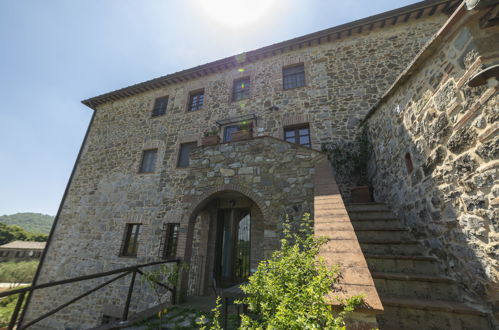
398	234
367	207
391	247
418	286
371	215
411	314
377	224
402	264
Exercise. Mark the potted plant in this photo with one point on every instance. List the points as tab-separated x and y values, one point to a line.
210	138
361	193
350	160
245	131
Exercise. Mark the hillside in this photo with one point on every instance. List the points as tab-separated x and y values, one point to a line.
31	222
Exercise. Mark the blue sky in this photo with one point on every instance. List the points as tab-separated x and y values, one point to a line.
56	53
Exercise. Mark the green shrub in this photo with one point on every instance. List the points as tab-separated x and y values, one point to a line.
289	290
7	306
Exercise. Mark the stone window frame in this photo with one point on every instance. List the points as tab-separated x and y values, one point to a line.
289	62
297	120
153	112
248	93
169	242
295	128
180	150
141	164
126	239
236	75
293	66
183	139
190	94
150	145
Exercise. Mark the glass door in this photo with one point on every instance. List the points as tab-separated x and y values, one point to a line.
232	264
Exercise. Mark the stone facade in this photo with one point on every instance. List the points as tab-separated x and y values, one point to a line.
344	79
448	131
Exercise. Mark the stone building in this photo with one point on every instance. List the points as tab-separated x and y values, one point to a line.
147	185
21	250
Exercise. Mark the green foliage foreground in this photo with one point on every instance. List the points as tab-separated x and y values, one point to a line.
289	290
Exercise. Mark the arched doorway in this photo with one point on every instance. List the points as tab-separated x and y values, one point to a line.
226	242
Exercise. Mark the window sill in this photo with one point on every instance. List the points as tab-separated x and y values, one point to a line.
294	88
189	111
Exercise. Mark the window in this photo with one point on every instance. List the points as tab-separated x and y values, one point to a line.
228	131
185	150
148	161
160	106
130	240
293	76
168	248
298	134
241	89
196	100
408	163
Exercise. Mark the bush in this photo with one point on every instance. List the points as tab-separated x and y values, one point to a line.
289	290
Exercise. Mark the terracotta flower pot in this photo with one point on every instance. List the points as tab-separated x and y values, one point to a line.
361	194
242	135
210	140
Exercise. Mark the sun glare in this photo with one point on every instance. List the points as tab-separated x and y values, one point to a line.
236	13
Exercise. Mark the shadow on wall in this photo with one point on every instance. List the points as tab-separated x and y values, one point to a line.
435	155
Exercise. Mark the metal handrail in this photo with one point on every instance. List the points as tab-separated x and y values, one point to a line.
122	271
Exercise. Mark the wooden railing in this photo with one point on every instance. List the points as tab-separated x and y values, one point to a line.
134	270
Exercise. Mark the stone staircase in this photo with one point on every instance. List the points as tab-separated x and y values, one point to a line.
413	290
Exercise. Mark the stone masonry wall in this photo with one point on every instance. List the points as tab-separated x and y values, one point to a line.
450	200
343	80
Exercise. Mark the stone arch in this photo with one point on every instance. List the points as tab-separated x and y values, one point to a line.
200	203
202	200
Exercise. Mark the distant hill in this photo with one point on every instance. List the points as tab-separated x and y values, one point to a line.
31	222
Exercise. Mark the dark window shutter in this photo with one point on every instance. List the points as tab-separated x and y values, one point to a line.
184	153
148	161
160	106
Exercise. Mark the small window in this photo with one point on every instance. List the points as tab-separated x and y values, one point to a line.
130	240
184	153
168	248
241	89
298	135
293	77
196	100
228	131
148	161
408	163
160	106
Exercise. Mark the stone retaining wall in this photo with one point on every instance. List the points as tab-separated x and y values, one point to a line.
449	132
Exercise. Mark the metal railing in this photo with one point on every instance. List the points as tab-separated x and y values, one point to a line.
122	273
